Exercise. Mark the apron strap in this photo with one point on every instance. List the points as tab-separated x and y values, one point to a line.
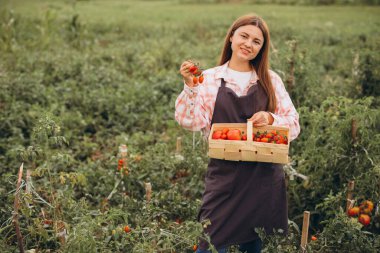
223	83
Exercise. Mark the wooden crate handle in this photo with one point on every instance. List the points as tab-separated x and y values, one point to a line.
249	131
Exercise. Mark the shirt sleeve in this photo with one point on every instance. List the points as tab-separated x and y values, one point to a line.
285	113
190	108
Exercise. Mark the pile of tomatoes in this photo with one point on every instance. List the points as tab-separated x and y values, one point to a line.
363	212
235	134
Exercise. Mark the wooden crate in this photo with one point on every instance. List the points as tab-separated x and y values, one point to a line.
249	150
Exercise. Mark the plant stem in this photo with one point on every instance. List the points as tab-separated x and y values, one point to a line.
15	212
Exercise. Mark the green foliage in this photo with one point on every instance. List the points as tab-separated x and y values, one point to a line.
317	2
345	234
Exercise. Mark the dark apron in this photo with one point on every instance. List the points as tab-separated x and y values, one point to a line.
242	196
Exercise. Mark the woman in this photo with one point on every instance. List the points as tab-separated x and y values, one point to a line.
240	196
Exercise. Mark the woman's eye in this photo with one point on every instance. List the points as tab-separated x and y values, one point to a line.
244	36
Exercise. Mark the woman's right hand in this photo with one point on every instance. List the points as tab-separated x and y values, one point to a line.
186	74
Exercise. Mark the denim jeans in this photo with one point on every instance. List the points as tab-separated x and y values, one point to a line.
249	247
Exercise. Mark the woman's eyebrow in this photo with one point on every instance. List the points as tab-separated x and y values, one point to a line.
249	36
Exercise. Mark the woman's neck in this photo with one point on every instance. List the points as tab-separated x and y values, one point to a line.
242	66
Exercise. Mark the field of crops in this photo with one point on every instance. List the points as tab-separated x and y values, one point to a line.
79	79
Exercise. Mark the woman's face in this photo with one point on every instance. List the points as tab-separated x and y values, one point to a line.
246	42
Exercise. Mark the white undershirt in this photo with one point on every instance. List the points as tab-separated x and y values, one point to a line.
241	78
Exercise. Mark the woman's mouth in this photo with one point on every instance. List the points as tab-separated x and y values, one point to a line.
245	51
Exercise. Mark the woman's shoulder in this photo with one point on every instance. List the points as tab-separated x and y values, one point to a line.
212	71
276	79
274	75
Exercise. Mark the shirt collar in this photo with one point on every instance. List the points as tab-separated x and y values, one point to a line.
222	73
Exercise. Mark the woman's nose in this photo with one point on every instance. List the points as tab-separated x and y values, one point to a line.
248	43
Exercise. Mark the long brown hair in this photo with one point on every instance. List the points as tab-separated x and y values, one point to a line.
261	62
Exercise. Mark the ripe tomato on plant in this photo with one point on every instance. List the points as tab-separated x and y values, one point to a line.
127	229
352	212
364	219
366	206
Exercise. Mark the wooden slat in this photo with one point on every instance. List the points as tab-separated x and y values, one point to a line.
305	230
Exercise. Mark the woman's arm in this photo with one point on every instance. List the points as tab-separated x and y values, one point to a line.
285	113
192	110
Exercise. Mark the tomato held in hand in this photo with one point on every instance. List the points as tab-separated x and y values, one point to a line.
195	80
201	78
193	69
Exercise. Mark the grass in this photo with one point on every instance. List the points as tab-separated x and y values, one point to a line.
149	12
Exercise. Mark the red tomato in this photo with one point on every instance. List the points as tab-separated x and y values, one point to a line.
366	206
313	238
244	137
364	219
217	134
201	78
225	130
195	80
193	69
352	212
269	136
234	134
127	229
264	140
48	222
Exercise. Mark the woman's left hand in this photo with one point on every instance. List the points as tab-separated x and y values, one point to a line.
261	118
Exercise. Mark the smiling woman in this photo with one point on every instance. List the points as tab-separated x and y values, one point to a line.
242	88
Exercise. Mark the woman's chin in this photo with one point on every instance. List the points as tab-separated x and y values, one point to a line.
244	57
